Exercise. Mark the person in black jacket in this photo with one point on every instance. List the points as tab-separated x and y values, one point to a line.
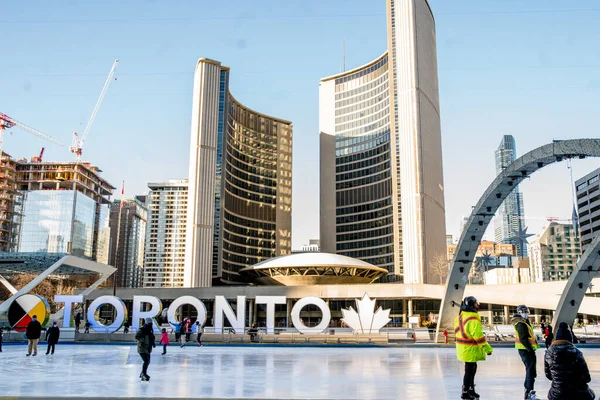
566	368
52	335
145	344
33	333
1	332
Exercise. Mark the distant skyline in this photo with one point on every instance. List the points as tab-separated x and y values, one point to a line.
525	69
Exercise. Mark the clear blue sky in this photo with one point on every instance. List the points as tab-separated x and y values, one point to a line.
530	69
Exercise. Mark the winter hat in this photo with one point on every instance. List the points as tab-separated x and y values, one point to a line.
563	332
54	323
148	320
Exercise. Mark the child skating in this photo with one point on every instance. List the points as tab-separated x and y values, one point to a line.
164	340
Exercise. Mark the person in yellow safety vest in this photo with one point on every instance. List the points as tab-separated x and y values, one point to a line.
526	343
471	344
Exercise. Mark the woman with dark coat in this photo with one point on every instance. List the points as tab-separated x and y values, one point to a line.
567	369
52	335
548	336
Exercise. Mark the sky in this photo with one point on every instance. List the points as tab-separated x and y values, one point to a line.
530	69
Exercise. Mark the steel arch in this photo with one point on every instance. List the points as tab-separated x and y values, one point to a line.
586	269
486	208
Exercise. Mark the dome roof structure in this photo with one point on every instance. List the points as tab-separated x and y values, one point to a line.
312	268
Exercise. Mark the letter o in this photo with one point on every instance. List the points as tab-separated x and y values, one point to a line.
120	308
300	304
196	303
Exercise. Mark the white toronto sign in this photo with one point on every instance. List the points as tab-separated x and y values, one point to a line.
366	320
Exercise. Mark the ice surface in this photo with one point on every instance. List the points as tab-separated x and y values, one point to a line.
265	372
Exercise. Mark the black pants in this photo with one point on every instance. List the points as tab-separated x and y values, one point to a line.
470	371
164	349
50	346
146	359
530	362
0	346
199	336
187	336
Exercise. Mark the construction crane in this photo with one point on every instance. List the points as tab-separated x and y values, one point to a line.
548	219
37	159
8	122
77	145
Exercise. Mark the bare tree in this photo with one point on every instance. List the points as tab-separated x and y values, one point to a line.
440	265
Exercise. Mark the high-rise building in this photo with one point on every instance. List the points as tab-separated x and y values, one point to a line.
509	223
167	204
10	201
240	191
128	220
65	209
588	207
381	178
554	253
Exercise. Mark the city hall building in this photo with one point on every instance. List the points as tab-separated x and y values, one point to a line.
381	182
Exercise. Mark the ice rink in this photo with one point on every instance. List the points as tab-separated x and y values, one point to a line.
259	372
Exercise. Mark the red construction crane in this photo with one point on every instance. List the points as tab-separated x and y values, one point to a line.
36	159
77	145
8	122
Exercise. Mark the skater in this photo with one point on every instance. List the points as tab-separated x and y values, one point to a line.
526	343
253	332
188	329
126	327
177	329
145	344
1	332
471	344
77	322
199	333
566	368
33	333
548	336
52	335
164	340
182	326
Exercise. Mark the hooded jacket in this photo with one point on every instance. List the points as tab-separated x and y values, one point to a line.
145	339
566	368
52	334
471	344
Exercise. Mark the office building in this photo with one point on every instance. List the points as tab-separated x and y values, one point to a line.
554	253
509	220
240	183
588	207
65	209
164	263
128	218
381	177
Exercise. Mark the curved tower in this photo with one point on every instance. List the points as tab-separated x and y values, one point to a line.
381	183
240	190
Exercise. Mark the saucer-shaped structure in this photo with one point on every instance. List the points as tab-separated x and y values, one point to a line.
303	269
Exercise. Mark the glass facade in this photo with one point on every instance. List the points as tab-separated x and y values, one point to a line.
63	222
509	218
254	158
363	163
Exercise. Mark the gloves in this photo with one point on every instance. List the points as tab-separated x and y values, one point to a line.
489	354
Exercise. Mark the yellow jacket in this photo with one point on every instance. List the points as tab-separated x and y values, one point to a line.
471	344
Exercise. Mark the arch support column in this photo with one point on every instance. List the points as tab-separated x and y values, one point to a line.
586	269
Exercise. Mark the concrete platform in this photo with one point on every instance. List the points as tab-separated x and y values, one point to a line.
258	372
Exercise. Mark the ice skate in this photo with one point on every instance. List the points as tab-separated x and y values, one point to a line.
466	394
473	393
145	378
530	395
